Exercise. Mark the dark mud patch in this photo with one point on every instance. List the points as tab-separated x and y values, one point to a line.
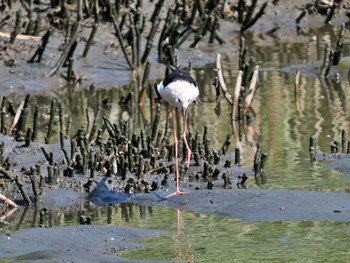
58	198
100	189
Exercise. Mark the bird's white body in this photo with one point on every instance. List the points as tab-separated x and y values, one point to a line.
179	93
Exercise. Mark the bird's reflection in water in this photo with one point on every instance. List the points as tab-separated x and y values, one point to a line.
182	245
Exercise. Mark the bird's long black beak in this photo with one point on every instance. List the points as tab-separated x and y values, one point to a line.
184	112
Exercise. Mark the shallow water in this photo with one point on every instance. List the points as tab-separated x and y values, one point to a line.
194	237
282	123
209	238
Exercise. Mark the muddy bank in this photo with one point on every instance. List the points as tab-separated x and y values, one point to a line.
97	243
257	205
67	244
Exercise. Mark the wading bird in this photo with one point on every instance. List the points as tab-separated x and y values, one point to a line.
179	90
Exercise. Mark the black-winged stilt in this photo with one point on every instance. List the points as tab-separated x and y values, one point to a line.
179	90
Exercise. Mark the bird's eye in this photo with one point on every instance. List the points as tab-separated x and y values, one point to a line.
178	100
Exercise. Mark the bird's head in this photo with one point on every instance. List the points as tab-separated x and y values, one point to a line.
183	102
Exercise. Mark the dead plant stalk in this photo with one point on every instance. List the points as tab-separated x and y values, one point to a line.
221	79
236	95
7	201
251	92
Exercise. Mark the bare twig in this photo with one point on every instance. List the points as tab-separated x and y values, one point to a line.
7	201
7	214
121	42
20	37
296	84
39	52
144	83
18	114
65	54
247	24
236	95
221	79
251	92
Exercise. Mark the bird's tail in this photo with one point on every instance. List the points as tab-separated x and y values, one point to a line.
157	92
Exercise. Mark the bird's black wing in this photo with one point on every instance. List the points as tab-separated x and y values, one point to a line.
178	74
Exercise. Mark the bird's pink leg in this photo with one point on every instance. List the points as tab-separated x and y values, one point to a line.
177	192
183	135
